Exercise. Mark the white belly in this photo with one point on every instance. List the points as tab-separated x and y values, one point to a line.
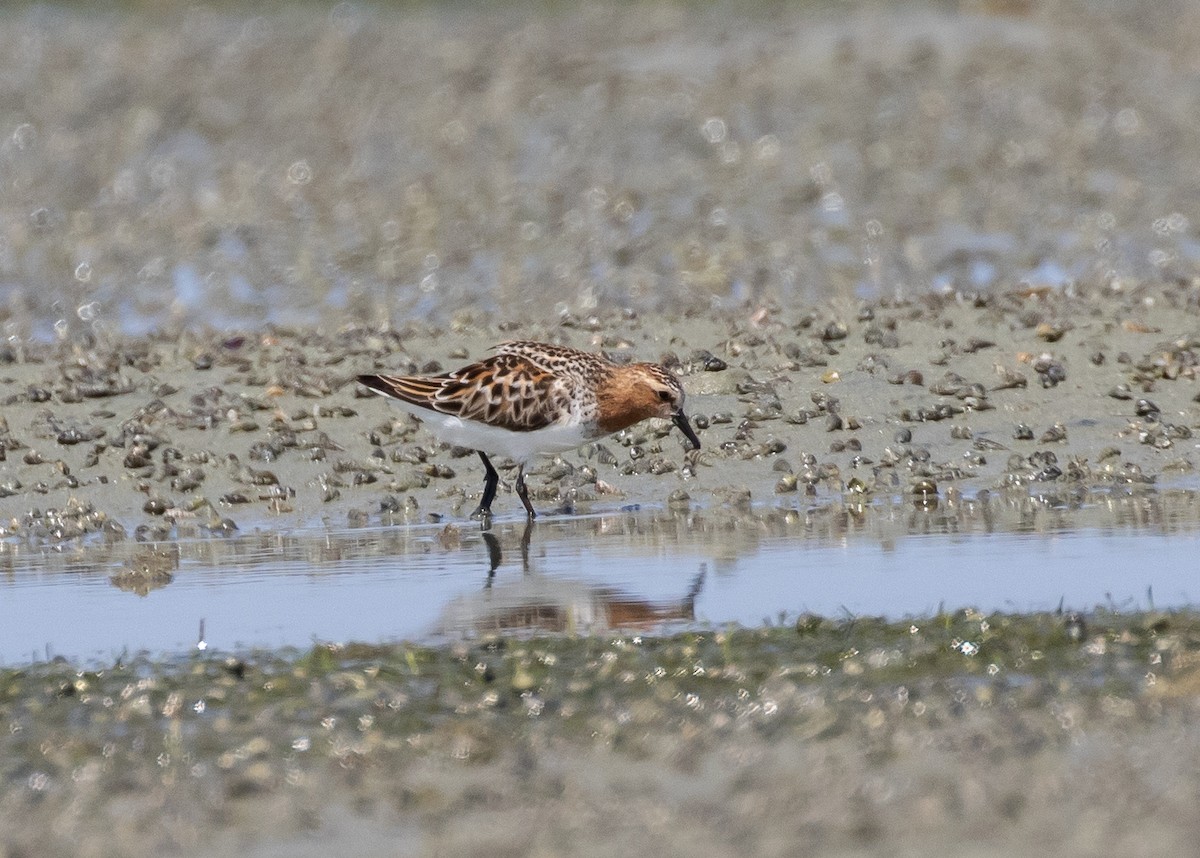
519	446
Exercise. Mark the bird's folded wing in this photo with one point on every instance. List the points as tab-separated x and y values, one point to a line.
506	391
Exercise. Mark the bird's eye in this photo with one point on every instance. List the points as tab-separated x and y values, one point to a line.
664	396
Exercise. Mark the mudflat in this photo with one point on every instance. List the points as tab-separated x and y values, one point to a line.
1059	393
920	258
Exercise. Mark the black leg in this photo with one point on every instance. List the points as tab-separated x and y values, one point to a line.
490	480
523	492
525	539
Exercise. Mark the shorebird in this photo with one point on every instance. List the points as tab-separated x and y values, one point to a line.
530	398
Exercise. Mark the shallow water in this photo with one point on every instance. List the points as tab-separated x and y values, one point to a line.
627	570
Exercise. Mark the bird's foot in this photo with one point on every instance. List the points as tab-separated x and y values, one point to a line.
483	516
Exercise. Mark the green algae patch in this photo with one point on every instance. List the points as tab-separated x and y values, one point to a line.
209	738
369	700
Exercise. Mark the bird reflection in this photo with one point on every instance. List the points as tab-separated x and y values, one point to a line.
545	603
496	555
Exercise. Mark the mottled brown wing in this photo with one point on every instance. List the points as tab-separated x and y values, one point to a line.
561	360
504	390
415	389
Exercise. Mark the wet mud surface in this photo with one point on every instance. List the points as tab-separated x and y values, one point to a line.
120	447
941	400
197	165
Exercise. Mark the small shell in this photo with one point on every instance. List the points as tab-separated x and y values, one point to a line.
924	487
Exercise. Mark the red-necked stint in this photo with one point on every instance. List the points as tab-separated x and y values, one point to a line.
531	398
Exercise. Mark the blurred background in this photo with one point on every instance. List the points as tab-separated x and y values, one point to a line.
167	165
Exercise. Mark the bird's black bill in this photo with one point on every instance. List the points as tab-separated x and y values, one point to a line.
680	420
